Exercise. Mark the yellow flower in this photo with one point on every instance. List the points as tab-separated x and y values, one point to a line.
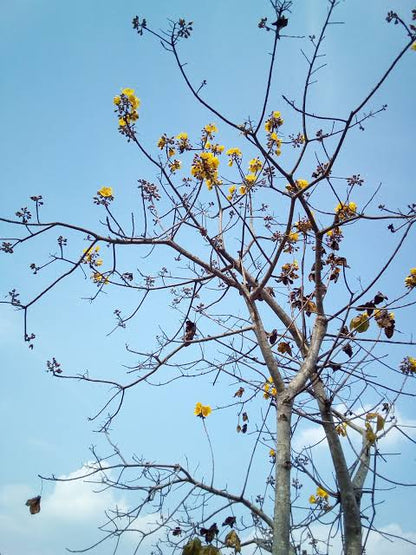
299	184
127	92
410	280
122	122
97	277
234	154
99	262
161	142
202	410
413	47
293	236
205	166
210	128
232	189
269	389
312	499
412	363
134	101
250	179
175	165
322	493
341	429
242	190
345	211
116	100
182	136
255	165
216	149
273	122
272	453
105	192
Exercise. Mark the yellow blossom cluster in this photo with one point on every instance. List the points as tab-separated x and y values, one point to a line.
297	186
127	104
91	256
205	167
99	278
182	142
175	165
209	130
408	365
345	211
304	225
341	429
413	47
272	124
410	280
105	192
255	165
321	495
234	154
202	410
214	148
269	389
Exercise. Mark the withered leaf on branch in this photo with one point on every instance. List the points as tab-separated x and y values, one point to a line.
232	540
190	330
273	337
347	349
209	533
281	22
360	323
209	550
34	505
245	417
239	392
229	521
369	307
242	429
379	298
177	531
193	547
284	347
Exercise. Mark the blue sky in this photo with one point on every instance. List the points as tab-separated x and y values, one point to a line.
62	63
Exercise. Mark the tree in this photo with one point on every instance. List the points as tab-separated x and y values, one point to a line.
264	299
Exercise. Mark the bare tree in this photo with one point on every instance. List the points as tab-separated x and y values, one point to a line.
261	298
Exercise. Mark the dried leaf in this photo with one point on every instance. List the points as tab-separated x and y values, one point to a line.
209	533
239	392
193	547
34	505
273	337
229	521
190	330
348	349
360	323
232	540
380	423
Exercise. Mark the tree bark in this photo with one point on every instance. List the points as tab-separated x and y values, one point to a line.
349	503
282	506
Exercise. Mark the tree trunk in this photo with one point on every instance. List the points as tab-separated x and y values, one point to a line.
350	506
281	519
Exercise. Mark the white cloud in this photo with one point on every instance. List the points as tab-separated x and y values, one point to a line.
69	517
377	543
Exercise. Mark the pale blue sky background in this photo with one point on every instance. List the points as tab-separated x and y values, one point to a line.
62	63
